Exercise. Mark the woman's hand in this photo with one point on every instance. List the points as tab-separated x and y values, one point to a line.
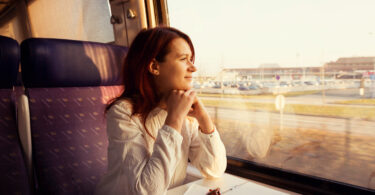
179	102
199	112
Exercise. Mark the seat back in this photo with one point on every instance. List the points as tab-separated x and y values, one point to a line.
68	84
14	178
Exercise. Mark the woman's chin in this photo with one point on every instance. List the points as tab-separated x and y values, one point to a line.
188	87
185	88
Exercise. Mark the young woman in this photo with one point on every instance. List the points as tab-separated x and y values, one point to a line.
157	124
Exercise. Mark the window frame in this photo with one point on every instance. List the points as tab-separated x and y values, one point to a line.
289	180
161	12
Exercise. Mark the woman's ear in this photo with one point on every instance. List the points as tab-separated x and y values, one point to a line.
153	67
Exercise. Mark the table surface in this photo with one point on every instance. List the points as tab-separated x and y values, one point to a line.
228	184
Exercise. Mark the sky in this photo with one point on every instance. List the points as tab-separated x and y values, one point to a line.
248	33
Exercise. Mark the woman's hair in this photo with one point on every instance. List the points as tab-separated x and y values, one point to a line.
139	86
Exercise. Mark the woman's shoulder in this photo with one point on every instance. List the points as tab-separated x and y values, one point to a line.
121	123
123	106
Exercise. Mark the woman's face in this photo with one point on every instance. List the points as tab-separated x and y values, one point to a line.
176	71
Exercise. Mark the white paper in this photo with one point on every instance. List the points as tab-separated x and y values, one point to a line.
252	188
195	189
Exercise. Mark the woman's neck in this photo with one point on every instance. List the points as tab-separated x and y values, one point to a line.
163	101
163	104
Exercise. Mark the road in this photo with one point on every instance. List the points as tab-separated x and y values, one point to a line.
296	121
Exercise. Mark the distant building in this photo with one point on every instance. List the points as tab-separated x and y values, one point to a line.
343	68
350	67
351	64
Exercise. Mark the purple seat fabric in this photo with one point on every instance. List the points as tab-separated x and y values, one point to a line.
14	178
68	125
69	137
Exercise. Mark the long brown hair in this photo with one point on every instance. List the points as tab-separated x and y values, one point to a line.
139	85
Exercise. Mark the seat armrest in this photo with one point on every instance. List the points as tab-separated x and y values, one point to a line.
23	120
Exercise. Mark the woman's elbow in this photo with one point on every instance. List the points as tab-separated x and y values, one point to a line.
149	186
216	170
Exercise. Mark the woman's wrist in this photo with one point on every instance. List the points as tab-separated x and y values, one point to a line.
207	131
205	125
174	122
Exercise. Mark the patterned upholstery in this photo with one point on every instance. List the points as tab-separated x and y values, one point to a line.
13	178
69	137
68	126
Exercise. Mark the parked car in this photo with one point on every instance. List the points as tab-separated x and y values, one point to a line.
253	87
284	84
216	86
243	88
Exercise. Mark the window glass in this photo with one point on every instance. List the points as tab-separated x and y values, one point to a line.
289	84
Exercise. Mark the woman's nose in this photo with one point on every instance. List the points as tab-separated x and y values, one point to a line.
192	67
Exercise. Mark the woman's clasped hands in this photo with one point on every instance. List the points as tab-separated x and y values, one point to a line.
182	103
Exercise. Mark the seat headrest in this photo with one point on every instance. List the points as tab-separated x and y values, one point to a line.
9	61
68	63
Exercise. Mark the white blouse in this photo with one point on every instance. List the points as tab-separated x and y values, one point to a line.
137	164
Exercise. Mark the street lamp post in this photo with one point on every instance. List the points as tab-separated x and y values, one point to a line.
372	77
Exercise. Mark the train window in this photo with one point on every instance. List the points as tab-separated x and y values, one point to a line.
290	84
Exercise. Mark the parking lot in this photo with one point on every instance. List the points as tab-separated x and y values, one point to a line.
280	87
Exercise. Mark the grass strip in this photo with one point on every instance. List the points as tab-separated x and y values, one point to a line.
358	102
339	111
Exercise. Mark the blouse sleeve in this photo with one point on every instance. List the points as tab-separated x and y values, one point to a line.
131	170
207	153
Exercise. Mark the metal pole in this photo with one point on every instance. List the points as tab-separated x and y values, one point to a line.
372	79
216	117
324	85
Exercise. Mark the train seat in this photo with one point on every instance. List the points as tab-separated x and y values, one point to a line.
14	177
68	84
